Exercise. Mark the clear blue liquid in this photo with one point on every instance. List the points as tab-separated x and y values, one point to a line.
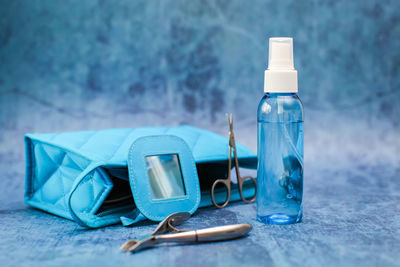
280	172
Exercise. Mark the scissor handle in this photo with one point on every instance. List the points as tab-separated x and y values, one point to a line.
241	180
227	184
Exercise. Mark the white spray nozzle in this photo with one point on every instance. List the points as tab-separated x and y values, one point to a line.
280	77
280	53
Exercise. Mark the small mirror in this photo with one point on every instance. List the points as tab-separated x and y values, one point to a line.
165	176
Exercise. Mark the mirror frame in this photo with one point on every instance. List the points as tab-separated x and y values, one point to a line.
158	209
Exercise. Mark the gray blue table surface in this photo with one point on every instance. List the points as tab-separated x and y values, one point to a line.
351	218
83	65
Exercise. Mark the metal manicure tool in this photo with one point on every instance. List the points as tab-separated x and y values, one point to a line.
219	233
227	182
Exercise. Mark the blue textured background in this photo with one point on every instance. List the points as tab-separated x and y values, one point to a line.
73	65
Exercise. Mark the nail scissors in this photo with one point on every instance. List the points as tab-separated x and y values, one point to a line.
227	182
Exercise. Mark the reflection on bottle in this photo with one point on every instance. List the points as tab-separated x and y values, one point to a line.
291	179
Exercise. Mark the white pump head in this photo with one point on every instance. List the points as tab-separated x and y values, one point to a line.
280	77
280	54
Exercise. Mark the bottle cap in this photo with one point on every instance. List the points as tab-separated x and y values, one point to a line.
280	77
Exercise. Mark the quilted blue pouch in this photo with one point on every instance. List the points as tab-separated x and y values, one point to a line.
90	176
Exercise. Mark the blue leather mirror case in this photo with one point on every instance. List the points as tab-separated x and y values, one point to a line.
158	192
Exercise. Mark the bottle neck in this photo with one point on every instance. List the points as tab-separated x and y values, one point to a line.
272	95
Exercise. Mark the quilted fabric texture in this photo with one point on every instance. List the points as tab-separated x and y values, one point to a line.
66	173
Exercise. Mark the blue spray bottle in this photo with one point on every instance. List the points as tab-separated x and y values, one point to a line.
280	139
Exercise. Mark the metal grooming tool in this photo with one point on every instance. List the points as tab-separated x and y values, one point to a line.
219	233
227	182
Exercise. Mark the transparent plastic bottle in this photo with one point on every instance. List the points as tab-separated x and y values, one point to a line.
280	140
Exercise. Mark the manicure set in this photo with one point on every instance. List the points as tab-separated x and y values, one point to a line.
164	174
